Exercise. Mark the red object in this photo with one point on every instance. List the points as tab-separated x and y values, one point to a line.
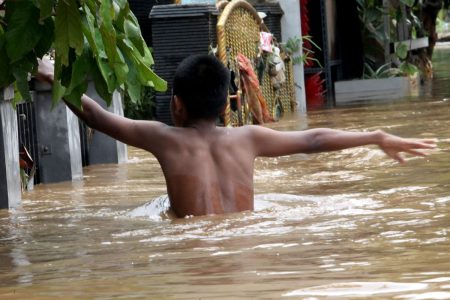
252	90
304	19
314	85
25	160
314	91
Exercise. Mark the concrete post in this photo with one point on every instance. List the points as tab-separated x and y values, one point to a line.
10	192
291	28
58	138
102	148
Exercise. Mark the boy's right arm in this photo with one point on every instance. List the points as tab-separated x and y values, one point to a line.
148	135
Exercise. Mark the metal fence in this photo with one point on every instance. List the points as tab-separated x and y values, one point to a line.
26	121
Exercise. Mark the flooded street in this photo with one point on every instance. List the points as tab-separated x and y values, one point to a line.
345	224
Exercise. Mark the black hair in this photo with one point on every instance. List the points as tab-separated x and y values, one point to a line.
201	82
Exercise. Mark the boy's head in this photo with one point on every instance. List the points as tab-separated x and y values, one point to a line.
201	83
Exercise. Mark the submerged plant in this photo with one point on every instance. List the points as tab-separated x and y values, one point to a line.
385	71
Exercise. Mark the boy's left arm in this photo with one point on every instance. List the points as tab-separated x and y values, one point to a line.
268	142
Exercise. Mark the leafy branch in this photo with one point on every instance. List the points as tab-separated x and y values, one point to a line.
92	39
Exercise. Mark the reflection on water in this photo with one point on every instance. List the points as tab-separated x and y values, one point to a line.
335	225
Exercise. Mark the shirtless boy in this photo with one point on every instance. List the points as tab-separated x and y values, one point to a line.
209	169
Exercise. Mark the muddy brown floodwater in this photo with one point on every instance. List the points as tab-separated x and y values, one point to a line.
337	225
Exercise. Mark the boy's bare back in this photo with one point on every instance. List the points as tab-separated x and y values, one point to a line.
208	171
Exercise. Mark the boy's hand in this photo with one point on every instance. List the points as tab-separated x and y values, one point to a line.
393	146
45	70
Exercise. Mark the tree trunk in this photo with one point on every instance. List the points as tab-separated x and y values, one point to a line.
429	13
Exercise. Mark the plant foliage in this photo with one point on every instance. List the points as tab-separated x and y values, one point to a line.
373	33
385	71
292	48
91	39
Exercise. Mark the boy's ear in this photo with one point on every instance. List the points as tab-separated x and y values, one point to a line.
178	105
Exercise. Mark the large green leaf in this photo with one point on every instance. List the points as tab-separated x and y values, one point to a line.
76	93
58	92
100	84
5	75
92	33
23	31
134	34
46	8
20	71
121	3
121	17
145	73
58	89
80	69
108	74
46	41
107	31
66	71
148	77
89	30
68	33
133	86
120	67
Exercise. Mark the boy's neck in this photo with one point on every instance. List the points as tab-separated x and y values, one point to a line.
200	124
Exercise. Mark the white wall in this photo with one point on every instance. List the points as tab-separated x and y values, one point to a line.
291	27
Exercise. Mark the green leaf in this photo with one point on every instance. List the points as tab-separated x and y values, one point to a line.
121	17
76	93
68	32
46	41
120	67
145	73
23	31
149	78
108	74
408	69
107	15
17	96
92	33
80	69
6	77
66	71
46	8
133	86
147	59
108	32
401	50
20	72
134	34
89	29
100	84
121	3
58	92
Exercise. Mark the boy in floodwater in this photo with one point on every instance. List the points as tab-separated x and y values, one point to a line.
209	169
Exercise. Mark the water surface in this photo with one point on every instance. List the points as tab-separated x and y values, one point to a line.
335	225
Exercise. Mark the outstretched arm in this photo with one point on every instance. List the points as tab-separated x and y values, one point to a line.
268	142
142	134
